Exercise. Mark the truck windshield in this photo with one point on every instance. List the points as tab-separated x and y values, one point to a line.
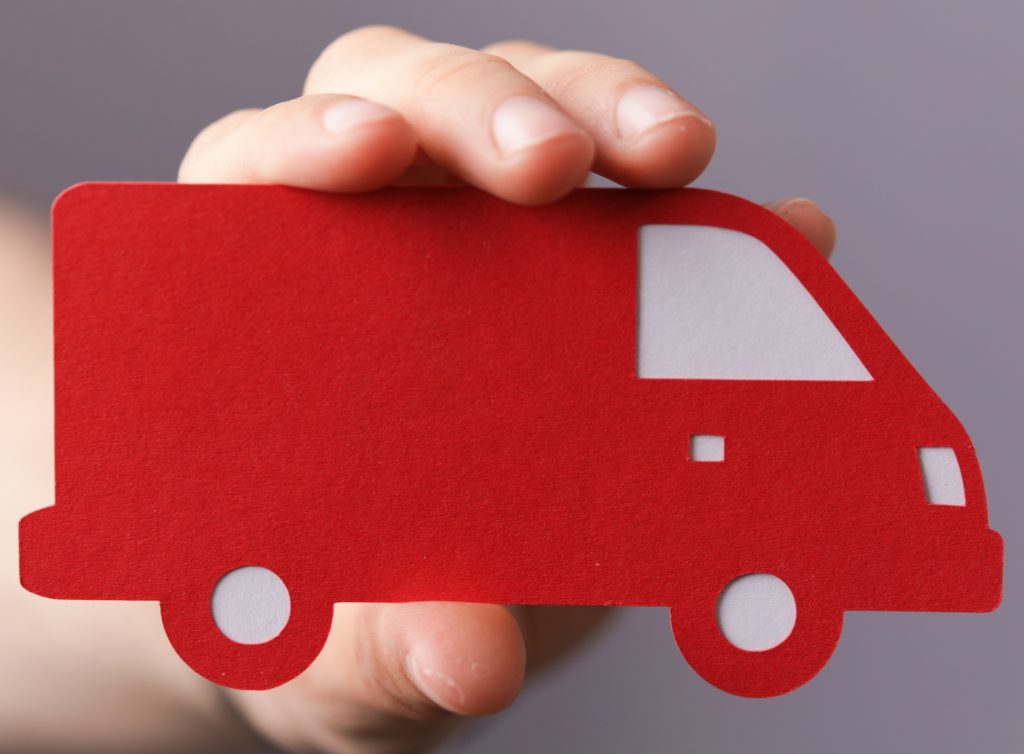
719	304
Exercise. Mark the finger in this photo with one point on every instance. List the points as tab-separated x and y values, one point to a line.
474	114
646	134
394	672
326	142
461	657
807	217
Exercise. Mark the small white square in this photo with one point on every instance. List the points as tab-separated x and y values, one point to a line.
707	448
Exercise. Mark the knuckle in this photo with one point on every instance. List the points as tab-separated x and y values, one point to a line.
343	47
512	47
223	126
362	35
446	64
371	31
569	69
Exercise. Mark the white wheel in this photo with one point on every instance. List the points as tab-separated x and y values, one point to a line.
250	605
756	612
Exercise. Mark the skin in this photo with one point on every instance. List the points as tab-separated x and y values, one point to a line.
380	106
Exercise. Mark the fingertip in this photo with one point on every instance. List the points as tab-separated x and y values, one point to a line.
348	144
661	140
326	142
545	172
646	134
808	218
673	152
466	658
538	153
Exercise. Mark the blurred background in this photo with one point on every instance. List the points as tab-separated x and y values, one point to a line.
902	119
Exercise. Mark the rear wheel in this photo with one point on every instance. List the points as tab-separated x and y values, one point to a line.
759	634
245	628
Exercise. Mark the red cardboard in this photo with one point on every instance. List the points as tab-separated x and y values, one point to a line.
431	394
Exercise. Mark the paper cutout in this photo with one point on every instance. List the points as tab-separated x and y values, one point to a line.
431	394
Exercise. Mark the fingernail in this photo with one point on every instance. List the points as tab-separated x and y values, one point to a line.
438	687
521	122
347	114
644	107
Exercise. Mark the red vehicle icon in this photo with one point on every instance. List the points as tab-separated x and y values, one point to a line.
270	400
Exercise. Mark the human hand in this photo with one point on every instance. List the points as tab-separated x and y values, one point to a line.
523	122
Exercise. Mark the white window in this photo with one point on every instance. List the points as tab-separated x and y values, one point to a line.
943	483
707	448
718	304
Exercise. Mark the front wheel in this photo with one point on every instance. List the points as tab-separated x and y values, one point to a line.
245	628
758	635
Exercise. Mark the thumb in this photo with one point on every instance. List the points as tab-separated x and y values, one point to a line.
394	677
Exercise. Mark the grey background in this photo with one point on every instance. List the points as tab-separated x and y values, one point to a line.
903	119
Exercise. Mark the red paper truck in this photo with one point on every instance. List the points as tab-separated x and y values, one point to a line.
270	400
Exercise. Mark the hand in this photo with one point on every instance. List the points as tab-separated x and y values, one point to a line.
526	123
